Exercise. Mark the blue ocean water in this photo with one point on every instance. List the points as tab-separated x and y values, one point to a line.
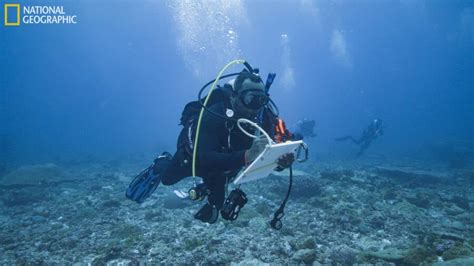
112	87
115	82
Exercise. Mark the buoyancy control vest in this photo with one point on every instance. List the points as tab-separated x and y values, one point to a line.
221	94
188	120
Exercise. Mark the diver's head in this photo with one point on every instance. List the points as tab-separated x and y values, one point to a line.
249	94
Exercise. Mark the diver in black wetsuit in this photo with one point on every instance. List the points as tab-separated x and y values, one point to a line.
374	130
223	148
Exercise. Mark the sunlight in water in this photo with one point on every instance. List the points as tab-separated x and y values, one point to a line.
287	79
208	33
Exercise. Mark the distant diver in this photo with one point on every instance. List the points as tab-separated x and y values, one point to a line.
374	130
304	129
223	148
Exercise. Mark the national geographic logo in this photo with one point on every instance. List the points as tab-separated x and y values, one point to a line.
13	9
27	15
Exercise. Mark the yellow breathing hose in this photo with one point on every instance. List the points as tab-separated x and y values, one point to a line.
196	139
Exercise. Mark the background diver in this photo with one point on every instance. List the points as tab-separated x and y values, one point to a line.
304	129
374	130
223	148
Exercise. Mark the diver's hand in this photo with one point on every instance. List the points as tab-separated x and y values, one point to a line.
285	161
258	146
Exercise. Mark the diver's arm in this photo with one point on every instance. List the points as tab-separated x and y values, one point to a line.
221	161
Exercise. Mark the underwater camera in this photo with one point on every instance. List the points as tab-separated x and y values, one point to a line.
199	192
233	204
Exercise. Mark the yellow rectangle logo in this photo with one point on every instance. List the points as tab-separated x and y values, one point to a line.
17	22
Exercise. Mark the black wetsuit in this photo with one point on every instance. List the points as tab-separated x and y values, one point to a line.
221	152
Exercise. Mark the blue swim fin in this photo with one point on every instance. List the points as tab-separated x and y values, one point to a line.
146	182
143	185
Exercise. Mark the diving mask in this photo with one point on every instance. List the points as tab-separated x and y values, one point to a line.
254	99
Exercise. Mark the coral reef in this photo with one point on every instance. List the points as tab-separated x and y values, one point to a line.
337	215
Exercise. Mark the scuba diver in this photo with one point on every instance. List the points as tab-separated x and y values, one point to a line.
374	130
223	148
304	128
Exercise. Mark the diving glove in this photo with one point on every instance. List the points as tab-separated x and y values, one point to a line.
208	214
146	182
285	161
